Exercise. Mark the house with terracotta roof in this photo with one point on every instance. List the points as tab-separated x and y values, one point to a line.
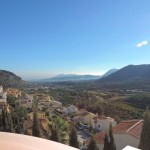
125	133
43	122
102	123
87	117
43	101
14	92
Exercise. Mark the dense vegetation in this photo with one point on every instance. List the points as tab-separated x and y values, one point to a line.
139	100
121	106
145	135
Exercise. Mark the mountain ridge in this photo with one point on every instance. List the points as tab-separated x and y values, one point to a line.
128	73
9	79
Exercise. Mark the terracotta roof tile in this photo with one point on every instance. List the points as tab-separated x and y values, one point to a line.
124	126
136	130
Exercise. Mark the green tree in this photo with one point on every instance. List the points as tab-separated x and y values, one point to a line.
6	120
9	121
112	145
145	135
109	143
18	116
36	129
106	142
54	134
3	119
59	130
92	145
73	139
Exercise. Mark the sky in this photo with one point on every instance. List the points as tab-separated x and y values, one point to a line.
42	38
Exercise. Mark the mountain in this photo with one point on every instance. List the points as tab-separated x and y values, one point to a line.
71	77
8	79
110	72
130	73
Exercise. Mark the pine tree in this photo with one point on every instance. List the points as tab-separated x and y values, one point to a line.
36	129
92	145
73	139
145	135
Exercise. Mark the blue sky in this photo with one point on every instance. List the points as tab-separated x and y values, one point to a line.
41	38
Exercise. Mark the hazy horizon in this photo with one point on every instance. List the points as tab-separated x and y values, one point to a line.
40	75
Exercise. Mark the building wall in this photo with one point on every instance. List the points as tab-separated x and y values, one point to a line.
104	124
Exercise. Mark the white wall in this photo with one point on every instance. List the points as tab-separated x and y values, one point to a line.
104	124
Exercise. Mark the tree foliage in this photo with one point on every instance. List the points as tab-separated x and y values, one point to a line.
92	145
73	139
109	143
36	129
59	130
145	135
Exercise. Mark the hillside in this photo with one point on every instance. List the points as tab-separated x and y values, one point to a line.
131	73
109	72
8	79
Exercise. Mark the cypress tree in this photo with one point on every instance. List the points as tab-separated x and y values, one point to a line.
10	123
73	139
3	119
106	142
92	145
109	143
35	129
145	135
112	145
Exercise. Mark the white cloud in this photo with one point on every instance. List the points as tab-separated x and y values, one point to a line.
143	43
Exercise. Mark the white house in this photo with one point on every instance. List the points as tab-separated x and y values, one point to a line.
69	110
102	123
125	133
